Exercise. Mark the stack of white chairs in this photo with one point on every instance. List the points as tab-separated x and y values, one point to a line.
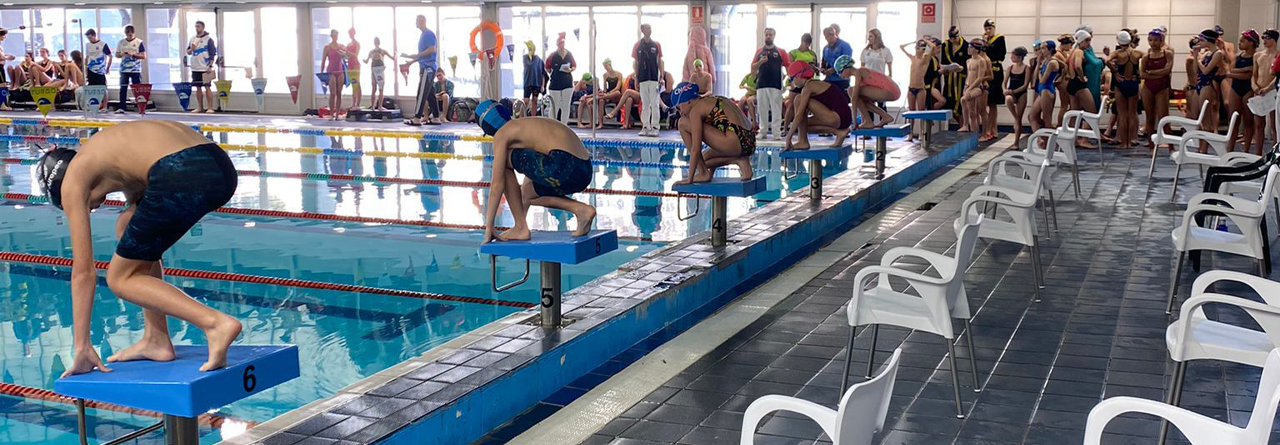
1073	124
927	304
1020	206
859	416
1220	157
1161	138
1059	148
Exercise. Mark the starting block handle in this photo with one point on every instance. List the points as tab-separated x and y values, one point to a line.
697	206
794	172
493	275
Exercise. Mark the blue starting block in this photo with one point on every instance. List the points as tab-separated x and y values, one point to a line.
928	117
178	389
816	156
882	136
550	250
720	189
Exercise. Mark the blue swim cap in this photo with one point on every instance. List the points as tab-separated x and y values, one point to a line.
842	62
491	116
1051	45
683	92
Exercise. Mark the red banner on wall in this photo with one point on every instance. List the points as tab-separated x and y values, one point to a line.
928	12
697	15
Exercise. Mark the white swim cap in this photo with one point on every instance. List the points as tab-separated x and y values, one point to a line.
1081	35
1123	38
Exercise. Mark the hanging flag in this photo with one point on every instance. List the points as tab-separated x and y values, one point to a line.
511	51
44	96
141	96
404	71
577	33
473	56
224	91
183	90
293	82
259	92
324	81
93	96
453	64
4	95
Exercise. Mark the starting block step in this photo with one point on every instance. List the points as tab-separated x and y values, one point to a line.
556	247
888	131
362	115
928	115
831	155
724	187
178	388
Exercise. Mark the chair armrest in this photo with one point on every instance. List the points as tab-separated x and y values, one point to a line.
859	280
1196	427
1260	285
825	417
1003	193
1227	203
1239	158
1248	188
939	262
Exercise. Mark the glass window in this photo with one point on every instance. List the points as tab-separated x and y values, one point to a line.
407	35
49	31
282	39
519	24
18	41
111	30
456	23
733	41
670	25
789	24
371	22
617	38
164	52
78	21
853	27
324	21
239	50
897	24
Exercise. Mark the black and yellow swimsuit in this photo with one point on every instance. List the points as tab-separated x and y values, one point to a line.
720	120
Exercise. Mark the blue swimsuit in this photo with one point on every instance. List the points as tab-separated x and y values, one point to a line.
1047	83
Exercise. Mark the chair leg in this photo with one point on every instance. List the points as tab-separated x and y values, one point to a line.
1262	268
1053	210
973	361
1044	211
1277	207
1173	284
871	353
1152	173
1176	171
1035	266
1075	179
1175	396
848	361
955	379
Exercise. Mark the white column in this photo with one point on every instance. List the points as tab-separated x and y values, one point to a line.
306	60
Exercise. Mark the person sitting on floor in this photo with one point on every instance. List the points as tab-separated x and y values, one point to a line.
552	158
717	122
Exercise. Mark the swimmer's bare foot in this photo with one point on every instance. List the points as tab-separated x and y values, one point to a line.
704	176
220	337
518	233
744	167
154	349
585	217
840	137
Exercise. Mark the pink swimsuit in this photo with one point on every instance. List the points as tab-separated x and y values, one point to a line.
335	60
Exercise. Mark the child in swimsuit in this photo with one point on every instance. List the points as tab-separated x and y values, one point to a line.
721	125
1208	69
553	160
1124	63
918	90
1241	81
1015	90
378	69
977	82
820	107
1046	85
171	176
1157	69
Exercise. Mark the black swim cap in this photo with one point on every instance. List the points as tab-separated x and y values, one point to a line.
50	170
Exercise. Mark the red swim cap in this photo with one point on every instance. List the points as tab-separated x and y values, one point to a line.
800	69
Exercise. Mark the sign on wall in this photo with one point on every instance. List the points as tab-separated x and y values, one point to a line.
928	12
697	14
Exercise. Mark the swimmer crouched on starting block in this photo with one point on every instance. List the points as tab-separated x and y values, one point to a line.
549	154
718	122
171	176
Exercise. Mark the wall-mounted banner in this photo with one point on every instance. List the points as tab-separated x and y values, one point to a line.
93	95
141	96
293	82
259	90
44	96
183	90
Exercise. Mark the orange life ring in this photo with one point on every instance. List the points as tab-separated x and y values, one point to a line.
497	35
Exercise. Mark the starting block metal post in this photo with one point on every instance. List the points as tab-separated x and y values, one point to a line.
720	190
815	158
550	250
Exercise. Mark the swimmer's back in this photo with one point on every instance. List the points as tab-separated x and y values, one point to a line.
543	135
132	147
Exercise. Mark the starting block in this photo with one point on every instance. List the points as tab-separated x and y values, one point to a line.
815	158
178	389
720	189
550	250
882	136
362	115
928	117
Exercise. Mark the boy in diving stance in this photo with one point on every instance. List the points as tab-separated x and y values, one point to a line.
549	154
171	176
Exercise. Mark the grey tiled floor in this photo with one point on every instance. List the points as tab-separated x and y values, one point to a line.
1099	332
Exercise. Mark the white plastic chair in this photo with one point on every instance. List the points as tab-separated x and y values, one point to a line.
1071	123
1220	156
1063	151
1020	205
1012	170
1195	337
861	413
932	303
1199	429
1162	138
1247	216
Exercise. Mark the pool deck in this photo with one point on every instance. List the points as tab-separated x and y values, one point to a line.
1098	333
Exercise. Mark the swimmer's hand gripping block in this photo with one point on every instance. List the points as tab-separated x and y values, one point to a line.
556	247
178	387
831	155
888	131
723	187
929	115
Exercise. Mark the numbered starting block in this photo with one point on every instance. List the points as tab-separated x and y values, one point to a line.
550	250
178	389
720	189
816	156
882	136
928	117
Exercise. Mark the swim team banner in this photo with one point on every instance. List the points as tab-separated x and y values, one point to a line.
93	96
293	82
183	90
141	96
44	96
224	91
259	89
324	81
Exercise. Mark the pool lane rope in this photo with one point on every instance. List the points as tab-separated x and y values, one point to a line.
438	136
273	281
212	420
